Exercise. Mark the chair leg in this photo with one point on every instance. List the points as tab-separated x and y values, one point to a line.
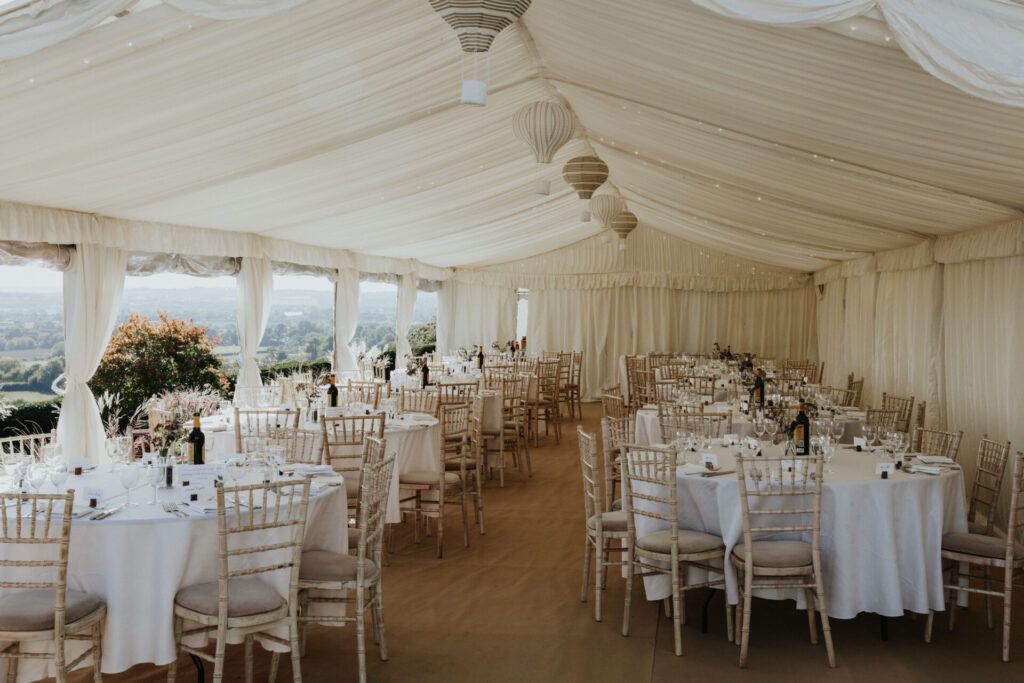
218	658
440	524
928	626
599	580
677	628
479	500
248	658
745	631
418	502
97	653
378	619
1007	602
988	600
810	616
172	670
275	661
296	653
954	593
826	628
360	636
587	549
304	611
465	515
729	628
629	588
12	668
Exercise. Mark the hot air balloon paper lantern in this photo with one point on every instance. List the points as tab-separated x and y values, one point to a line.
477	23
585	174
545	127
623	224
606	207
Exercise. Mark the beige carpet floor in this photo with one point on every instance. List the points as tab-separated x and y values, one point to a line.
507	609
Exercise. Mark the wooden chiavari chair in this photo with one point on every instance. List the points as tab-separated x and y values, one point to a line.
783	559
615	431
649	489
36	605
419	401
27	445
445	483
881	418
264	424
614	405
456	393
263	536
839	396
856	386
937	442
515	427
572	389
674	418
988	551
904	407
703	386
526	364
354	579
988	481
602	527
343	438
634	365
664	391
368	392
549	398
531	399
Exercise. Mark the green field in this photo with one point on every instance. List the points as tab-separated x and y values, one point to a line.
24	396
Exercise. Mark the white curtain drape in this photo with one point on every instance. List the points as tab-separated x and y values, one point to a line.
984	368
830	314
403	316
607	323
470	313
151	263
908	355
974	45
92	294
56	256
859	331
255	287
346	319
233	9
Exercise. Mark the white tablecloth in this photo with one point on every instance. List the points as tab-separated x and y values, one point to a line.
881	540
415	439
138	559
648	431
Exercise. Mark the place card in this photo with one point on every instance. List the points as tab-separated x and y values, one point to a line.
711	459
731	439
197	478
751	443
745	406
91	494
148	457
859	441
788	465
886	468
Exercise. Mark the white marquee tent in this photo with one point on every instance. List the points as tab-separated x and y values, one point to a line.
830	179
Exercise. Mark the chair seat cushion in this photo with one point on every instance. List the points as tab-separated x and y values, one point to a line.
689	542
246	596
980	545
617	504
976	528
32	609
428	479
321	565
776	553
610	521
454	466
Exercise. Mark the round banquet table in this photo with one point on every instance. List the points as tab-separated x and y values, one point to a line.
137	559
648	430
414	438
881	539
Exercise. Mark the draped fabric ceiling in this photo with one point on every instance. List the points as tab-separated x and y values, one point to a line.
336	126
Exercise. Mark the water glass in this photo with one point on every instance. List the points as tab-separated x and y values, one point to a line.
129	476
58	475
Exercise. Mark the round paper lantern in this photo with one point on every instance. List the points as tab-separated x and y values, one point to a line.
585	174
545	127
623	224
477	23
606	207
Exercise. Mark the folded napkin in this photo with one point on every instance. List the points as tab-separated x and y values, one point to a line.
311	470
690	468
926	469
935	460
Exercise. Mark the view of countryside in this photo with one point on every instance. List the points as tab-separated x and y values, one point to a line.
32	339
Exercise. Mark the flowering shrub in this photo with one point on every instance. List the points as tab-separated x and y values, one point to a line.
146	358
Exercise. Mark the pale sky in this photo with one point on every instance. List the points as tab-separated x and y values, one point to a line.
35	279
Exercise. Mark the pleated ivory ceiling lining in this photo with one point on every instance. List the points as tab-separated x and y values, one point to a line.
336	126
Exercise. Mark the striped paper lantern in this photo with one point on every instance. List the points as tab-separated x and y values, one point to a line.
545	127
606	207
585	174
478	22
623	224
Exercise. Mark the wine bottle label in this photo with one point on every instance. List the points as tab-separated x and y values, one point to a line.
798	436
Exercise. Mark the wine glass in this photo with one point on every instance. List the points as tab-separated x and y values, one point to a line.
36	476
112	449
837	429
59	474
869	432
129	476
773	429
156	473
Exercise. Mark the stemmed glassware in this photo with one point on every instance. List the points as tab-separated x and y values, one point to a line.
129	476
59	474
869	431
36	476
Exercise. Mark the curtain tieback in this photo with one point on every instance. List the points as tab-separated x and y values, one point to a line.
60	391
